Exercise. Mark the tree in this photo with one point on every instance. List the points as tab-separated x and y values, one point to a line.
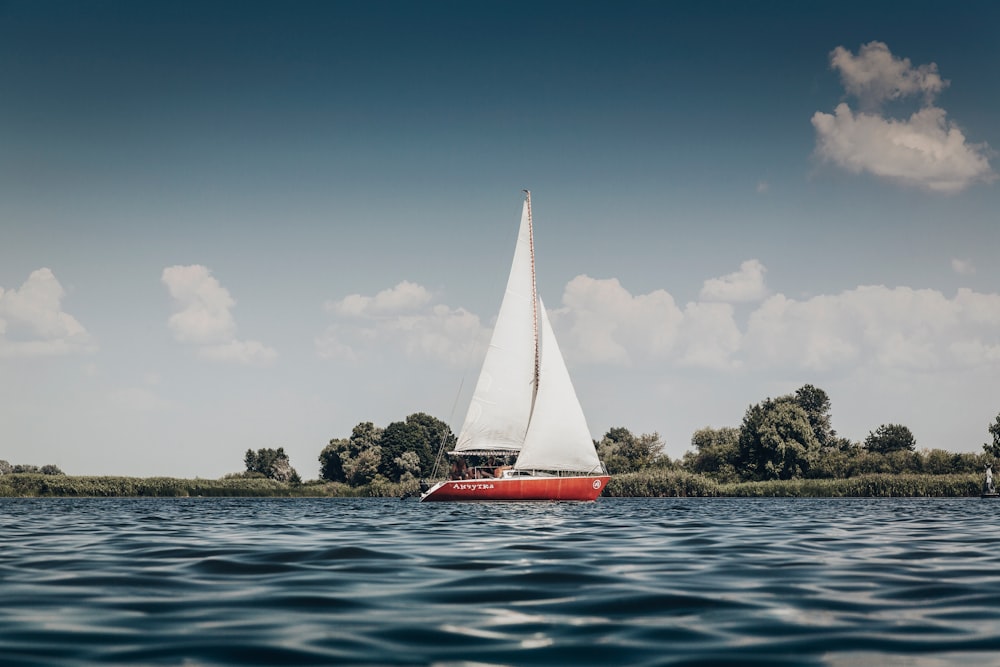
816	403
331	465
353	460
776	440
993	449
889	438
271	463
6	468
716	453
421	434
51	470
407	466
363	468
621	451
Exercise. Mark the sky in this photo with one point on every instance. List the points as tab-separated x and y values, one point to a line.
234	225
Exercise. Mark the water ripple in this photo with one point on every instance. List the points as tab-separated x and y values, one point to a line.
619	581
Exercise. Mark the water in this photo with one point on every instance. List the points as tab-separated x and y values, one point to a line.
619	581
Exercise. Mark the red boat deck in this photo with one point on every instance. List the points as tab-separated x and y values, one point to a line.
585	488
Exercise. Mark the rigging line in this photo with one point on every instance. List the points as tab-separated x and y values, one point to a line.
534	287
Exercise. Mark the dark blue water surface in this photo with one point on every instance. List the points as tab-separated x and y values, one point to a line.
616	582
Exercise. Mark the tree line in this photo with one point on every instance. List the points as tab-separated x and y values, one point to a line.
785	438
790	437
7	469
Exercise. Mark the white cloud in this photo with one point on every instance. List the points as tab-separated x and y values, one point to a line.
963	267
607	324
875	75
203	317
402	318
331	345
33	324
599	322
603	323
747	284
405	296
888	328
203	305
925	150
709	336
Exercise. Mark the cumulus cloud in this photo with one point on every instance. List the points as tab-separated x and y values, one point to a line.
601	322
876	326
33	324
203	317
747	284
402	317
405	296
925	150
875	76
605	323
963	267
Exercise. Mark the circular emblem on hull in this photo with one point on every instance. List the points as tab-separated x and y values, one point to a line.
597	483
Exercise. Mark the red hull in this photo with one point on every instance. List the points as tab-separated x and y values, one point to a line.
526	488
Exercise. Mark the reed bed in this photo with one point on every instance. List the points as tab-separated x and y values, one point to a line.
32	485
657	483
676	484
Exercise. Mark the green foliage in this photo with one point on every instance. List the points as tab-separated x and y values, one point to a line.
271	463
407	466
716	453
816	404
331	466
402	450
890	438
354	460
993	448
623	452
398	438
421	434
776	440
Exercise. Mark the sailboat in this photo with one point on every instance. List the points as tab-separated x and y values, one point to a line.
524	407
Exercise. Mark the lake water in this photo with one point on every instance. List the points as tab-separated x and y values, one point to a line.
616	582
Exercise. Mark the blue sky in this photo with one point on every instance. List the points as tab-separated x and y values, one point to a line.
240	225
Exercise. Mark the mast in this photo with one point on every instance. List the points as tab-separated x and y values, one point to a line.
534	289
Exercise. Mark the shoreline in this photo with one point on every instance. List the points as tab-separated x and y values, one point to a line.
645	484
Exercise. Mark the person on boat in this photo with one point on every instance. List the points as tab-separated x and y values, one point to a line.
989	478
459	469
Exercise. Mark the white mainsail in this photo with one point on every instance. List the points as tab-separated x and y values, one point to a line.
501	404
524	402
558	437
